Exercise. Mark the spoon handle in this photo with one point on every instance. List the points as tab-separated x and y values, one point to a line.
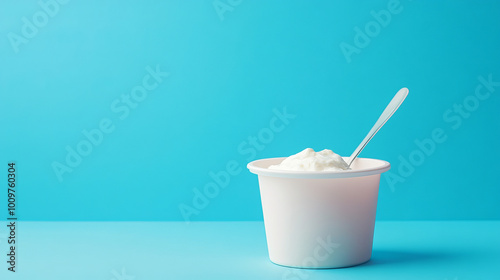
388	112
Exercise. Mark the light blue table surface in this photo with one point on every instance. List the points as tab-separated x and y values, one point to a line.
237	250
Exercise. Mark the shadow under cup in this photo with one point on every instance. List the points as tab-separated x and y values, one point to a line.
319	219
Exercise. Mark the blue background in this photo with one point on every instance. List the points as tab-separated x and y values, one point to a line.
228	73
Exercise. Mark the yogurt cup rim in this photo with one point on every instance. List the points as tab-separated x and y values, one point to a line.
381	166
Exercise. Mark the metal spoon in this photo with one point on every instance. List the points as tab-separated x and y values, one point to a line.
386	115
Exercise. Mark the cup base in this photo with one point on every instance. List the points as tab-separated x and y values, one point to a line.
321	267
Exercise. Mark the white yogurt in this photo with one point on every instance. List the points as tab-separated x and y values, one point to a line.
309	160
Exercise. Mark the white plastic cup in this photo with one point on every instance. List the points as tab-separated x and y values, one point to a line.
319	219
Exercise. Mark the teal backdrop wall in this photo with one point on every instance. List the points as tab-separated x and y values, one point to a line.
150	110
